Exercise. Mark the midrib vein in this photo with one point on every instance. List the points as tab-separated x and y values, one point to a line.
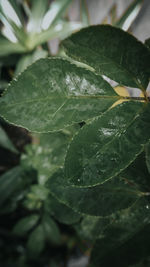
63	99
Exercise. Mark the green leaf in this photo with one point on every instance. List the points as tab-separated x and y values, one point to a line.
14	15
57	8
106	146
60	211
10	182
51	230
65	94
61	30
130	252
125	21
7	47
36	241
84	13
17	7
112	52
137	173
123	228
25	224
91	228
39	192
103	200
6	142
38	10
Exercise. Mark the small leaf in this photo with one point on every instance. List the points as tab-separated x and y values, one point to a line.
61	30
53	15
66	94
36	241
112	52
18	9
106	146
84	13
51	230
10	182
6	142
39	192
25	224
125	21
103	200
38	10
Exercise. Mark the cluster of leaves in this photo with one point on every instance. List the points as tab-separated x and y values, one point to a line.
105	171
89	163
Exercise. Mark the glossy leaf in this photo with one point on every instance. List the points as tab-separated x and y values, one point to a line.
6	142
25	224
112	52
105	199
66	94
61	212
36	241
124	224
105	147
125	21
51	230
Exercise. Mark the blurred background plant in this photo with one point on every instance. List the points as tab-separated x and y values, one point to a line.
35	228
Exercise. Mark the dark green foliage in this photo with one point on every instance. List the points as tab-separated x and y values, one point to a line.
94	172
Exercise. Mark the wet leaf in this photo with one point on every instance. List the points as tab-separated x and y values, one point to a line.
65	94
106	146
112	52
103	200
